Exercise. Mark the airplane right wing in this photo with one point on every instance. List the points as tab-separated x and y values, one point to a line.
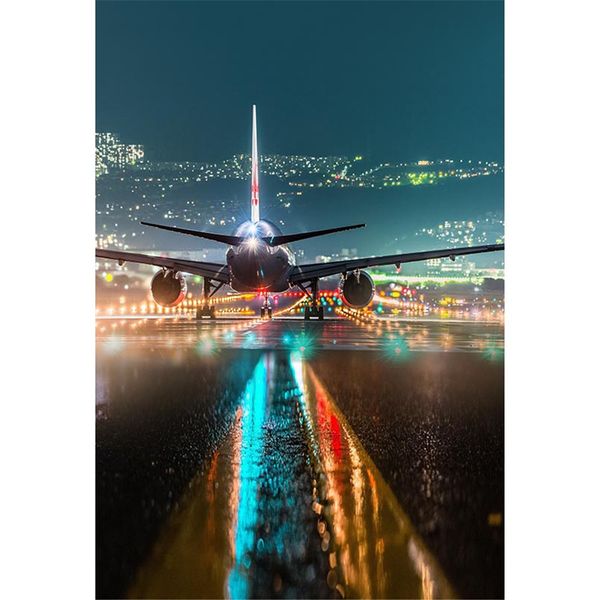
213	271
305	273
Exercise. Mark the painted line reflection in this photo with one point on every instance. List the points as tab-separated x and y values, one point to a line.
253	416
374	550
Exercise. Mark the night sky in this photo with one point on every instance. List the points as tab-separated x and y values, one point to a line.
389	80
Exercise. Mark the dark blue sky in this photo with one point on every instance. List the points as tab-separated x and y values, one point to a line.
392	80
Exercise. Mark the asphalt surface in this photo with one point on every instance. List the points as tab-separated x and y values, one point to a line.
291	459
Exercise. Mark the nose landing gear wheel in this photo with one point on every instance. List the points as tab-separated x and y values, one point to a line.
266	311
313	311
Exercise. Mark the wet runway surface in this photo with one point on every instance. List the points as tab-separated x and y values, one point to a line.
292	459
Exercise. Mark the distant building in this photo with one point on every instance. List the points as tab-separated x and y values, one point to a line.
445	266
111	153
485	230
345	253
322	258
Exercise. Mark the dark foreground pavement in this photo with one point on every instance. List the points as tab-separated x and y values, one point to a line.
273	460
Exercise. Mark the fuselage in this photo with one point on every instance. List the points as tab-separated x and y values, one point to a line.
254	265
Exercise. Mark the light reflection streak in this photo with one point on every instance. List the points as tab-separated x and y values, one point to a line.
420	562
357	482
254	404
234	496
378	536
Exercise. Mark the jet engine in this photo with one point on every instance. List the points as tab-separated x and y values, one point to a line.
357	289
168	288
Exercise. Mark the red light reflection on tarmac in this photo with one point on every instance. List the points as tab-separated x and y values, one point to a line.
374	550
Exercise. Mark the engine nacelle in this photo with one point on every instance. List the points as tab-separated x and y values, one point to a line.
357	289
168	288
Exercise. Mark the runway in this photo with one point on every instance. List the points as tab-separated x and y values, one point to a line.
344	458
287	333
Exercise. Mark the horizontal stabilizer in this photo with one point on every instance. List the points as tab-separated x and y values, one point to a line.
232	240
278	240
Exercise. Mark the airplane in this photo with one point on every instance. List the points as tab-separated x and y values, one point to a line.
259	260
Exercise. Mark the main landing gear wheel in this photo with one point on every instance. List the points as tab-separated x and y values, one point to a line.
266	313
206	311
313	308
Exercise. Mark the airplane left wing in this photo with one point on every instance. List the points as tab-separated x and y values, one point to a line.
213	271
304	273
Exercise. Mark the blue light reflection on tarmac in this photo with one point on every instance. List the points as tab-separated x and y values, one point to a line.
395	347
254	405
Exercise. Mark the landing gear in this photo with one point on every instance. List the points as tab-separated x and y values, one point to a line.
313	309
207	310
266	311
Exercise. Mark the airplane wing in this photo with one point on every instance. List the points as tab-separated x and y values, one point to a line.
304	273
214	271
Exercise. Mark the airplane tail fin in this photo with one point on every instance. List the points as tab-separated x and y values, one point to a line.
255	203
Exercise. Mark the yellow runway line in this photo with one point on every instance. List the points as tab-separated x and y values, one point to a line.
194	561
375	551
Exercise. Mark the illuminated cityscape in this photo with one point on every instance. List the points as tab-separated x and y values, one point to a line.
212	195
112	154
299	171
